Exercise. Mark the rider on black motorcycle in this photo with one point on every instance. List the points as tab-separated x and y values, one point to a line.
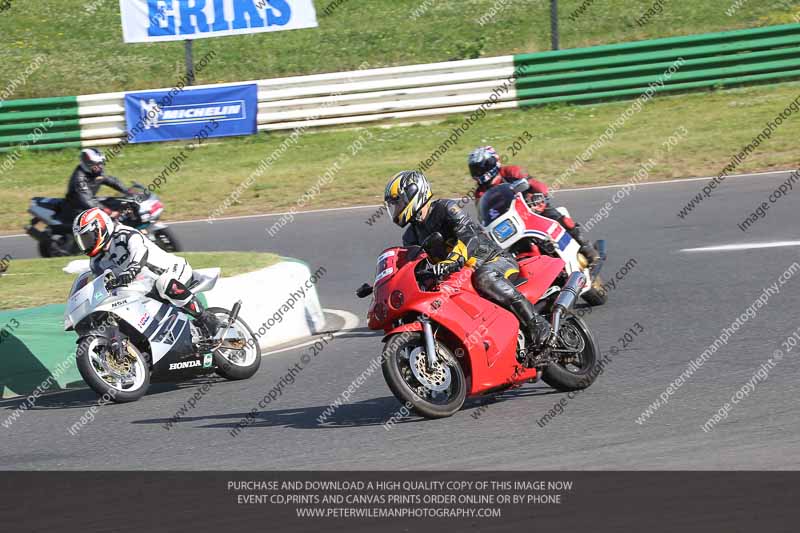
84	182
408	200
126	252
486	170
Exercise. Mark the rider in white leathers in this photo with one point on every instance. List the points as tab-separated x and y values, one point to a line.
126	253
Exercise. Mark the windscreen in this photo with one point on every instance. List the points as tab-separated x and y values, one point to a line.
495	202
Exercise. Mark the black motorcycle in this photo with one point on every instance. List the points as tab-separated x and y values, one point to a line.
141	210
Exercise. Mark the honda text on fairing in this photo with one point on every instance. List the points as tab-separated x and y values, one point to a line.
125	335
141	210
444	342
519	229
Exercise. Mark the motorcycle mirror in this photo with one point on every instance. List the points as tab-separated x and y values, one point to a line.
364	290
520	185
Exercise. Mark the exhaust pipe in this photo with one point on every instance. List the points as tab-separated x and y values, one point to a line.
565	300
231	319
234	313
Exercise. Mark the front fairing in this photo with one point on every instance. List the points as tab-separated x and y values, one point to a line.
89	295
397	275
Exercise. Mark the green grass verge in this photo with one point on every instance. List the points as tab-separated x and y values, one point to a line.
82	39
33	282
719	124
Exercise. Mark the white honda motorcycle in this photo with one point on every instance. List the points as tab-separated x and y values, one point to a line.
125	336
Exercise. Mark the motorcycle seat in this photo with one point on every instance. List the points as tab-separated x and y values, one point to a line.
49	203
204	280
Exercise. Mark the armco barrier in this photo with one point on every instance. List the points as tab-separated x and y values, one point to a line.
416	92
38	353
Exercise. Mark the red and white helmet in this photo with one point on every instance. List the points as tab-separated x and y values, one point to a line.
92	230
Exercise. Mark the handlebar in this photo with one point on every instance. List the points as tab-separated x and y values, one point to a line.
364	290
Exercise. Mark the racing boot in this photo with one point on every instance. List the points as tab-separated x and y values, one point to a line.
587	248
538	328
207	319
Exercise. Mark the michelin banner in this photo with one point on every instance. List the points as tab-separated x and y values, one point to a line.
191	113
145	21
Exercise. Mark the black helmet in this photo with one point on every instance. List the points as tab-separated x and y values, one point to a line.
92	161
484	164
406	194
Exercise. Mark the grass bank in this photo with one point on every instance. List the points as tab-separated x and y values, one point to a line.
34	282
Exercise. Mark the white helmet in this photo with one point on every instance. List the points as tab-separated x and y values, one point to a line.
92	161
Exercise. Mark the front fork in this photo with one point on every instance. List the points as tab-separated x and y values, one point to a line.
430	342
117	342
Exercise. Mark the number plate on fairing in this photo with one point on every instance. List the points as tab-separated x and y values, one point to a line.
505	230
387	262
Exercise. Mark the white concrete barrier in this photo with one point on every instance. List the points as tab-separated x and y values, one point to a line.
279	303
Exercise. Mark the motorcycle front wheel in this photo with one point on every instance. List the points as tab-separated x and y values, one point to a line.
120	381
436	392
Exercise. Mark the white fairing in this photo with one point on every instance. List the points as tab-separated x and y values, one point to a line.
130	305
510	228
150	209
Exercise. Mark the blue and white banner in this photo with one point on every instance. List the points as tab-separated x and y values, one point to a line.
191	113
146	21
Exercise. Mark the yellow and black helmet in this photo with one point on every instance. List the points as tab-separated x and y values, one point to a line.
406	194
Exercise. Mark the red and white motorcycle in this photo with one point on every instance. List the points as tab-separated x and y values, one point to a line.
519	229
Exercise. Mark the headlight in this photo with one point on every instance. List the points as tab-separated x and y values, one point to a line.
504	231
396	299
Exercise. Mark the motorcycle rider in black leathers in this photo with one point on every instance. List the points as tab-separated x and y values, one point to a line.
408	200
84	182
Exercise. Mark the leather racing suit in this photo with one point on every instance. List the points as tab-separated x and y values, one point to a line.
129	253
510	174
469	245
82	190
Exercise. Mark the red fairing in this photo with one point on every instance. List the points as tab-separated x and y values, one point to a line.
457	313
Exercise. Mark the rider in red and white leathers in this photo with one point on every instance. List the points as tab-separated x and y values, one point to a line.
486	170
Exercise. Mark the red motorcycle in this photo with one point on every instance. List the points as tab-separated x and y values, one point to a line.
444	342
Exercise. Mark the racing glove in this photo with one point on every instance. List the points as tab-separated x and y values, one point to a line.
121	280
444	269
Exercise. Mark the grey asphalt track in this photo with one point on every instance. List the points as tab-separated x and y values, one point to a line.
682	300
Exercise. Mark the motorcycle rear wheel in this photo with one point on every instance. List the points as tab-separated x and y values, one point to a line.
237	363
597	295
166	240
398	353
51	249
563	379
